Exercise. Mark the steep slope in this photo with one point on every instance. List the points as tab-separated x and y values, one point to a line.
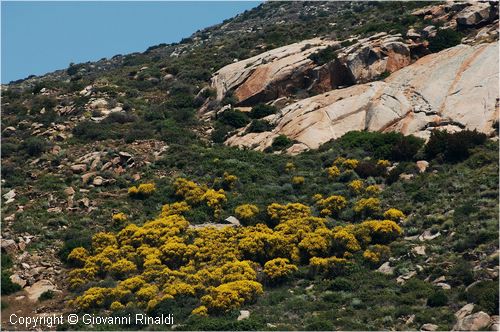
454	89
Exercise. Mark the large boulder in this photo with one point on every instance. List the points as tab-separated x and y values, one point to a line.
454	89
266	76
475	322
474	15
282	71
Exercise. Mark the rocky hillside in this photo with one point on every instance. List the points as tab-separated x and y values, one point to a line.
453	89
129	185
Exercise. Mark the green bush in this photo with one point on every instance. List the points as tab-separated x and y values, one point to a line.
7	286
393	146
262	110
367	168
324	55
234	118
445	38
453	147
437	299
47	295
35	146
485	294
259	126
281	142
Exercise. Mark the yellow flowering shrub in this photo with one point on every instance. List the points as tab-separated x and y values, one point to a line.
165	258
231	295
289	167
246	211
372	190
116	306
394	214
317	243
382	231
331	205
78	256
119	217
201	311
331	266
367	205
384	163
278	269
102	240
229	180
122	268
298	180
377	253
350	163
333	172
289	211
356	186
93	298
174	208
215	199
144	189
343	240
189	190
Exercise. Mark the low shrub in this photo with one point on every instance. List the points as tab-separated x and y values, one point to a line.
262	110
453	147
234	118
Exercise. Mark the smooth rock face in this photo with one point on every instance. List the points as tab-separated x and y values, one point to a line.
475	322
453	89
260	76
279	72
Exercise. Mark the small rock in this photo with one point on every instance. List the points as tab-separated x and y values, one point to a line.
412	34
25	266
495	323
69	191
56	149
85	202
244	314
86	177
402	279
106	166
9	246
124	155
21	245
20	297
422	165
386	268
98	180
443	285
272	326
427	236
419	250
16	279
136	177
233	220
405	176
474	322
310	287
78	168
10	195
440	279
38	288
429	327
464	311
56	209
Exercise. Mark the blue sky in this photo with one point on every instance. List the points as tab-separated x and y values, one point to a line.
40	37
